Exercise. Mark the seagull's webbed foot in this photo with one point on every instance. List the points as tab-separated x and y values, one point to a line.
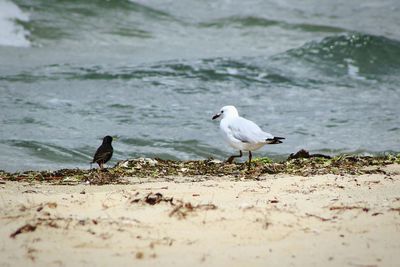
231	158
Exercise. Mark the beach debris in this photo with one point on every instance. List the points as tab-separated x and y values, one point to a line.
137	163
24	229
156	198
349	208
182	209
303	164
304	154
152	199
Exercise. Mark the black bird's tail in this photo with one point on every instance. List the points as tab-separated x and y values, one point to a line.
275	140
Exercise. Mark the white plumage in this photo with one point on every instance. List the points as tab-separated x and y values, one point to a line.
241	133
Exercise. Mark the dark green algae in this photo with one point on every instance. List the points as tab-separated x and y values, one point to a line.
159	168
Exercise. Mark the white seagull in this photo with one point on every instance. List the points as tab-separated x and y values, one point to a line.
242	134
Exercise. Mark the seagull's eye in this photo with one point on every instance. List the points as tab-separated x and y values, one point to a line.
222	111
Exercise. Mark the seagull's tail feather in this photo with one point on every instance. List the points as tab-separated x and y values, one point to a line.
274	140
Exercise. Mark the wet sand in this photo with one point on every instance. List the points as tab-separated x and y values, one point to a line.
276	220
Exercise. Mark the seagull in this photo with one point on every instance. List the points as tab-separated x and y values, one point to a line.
242	134
104	152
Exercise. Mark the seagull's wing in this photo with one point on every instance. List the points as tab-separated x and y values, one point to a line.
247	131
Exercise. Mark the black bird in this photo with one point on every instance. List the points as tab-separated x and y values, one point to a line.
104	152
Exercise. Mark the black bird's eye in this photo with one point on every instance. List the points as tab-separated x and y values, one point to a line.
222	111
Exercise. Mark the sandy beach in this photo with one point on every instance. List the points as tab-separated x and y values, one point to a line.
276	220
200	133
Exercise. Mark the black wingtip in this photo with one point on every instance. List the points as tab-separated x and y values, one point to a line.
275	140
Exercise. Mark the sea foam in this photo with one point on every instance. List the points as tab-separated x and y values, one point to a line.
12	34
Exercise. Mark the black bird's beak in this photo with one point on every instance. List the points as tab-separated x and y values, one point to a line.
216	116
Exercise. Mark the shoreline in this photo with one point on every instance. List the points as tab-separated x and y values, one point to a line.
214	220
149	168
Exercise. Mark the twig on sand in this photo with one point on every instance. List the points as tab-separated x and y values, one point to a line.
319	217
349	208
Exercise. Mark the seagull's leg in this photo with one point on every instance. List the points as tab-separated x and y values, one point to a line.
230	159
101	165
250	156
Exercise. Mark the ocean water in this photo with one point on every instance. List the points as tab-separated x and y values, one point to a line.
324	74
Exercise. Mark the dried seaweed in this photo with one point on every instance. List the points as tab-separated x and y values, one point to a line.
180	208
159	168
24	229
